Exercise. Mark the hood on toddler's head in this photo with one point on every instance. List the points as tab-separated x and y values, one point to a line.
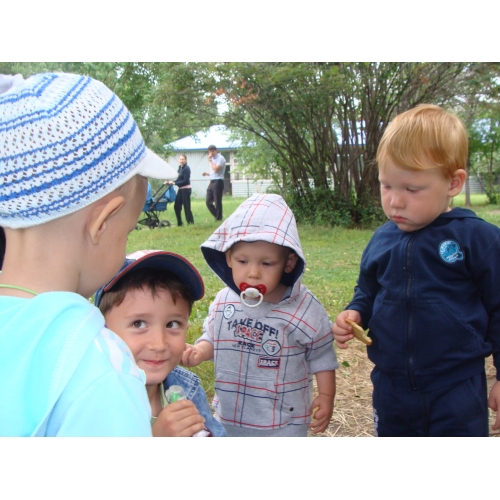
262	217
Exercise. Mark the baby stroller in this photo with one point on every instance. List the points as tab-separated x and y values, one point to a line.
156	203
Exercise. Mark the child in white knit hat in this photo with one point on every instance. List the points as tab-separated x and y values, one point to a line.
73	169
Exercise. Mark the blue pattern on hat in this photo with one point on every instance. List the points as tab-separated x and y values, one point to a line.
35	91
89	166
66	141
69	199
74	92
121	110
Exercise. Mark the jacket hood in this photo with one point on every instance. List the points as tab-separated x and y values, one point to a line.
458	213
454	213
262	217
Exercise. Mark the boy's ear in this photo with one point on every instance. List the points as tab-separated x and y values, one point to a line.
228	258
100	215
291	262
457	182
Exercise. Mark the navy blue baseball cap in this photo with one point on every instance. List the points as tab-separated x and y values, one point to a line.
158	259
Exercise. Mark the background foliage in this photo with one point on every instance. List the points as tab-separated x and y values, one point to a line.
313	127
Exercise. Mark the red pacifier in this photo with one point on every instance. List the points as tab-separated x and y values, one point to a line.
253	292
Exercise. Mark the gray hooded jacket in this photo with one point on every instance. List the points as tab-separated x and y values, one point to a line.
265	356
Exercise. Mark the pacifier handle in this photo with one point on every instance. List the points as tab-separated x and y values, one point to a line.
252	292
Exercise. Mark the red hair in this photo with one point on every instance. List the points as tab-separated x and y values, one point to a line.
425	137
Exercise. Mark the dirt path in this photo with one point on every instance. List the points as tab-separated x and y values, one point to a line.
352	415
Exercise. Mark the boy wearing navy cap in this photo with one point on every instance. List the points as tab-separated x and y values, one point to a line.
148	304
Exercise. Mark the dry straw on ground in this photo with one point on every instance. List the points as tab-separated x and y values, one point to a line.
352	416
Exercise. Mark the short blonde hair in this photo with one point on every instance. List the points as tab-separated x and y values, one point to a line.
425	137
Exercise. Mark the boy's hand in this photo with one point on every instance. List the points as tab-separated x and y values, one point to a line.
192	356
322	405
342	332
323	413
195	354
494	403
179	419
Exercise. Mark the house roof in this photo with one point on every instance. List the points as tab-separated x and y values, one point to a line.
217	135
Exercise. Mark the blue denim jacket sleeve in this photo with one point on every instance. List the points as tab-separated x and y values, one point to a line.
194	392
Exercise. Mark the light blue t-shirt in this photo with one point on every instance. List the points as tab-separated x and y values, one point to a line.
64	374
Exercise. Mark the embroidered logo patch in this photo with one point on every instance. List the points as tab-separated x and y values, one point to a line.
228	311
450	251
272	347
266	362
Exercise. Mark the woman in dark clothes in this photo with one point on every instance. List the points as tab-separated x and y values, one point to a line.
183	198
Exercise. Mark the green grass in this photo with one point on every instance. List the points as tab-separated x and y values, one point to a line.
332	259
476	200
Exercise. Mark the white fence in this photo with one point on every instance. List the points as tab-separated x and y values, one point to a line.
247	187
474	185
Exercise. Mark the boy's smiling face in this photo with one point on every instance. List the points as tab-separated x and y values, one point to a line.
413	199
263	263
154	328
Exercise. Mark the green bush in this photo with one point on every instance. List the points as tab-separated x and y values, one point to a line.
324	207
369	213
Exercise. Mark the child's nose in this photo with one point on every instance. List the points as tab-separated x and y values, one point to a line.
253	271
396	201
157	340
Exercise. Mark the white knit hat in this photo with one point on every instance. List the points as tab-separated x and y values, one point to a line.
65	142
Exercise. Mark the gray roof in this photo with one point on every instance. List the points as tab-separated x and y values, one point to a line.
218	135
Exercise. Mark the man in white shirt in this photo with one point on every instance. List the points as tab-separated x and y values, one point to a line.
217	164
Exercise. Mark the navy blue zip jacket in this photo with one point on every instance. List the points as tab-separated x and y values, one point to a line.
431	299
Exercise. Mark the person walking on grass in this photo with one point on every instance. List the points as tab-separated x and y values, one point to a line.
183	198
217	164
